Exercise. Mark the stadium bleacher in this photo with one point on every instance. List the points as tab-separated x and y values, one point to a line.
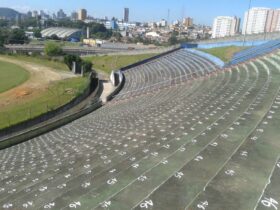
254	52
179	135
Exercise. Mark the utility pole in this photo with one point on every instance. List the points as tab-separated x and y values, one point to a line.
248	13
168	16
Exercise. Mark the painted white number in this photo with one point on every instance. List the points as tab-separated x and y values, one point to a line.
230	172
167	146
49	206
106	204
244	153
214	144
112	181
26	205
75	205
42	189
7	206
61	186
135	165
179	175
164	162
142	178
146	204
198	158
202	205
85	185
270	202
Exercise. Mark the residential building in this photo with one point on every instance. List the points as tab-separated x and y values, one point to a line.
35	14
61	14
126	15
273	21
255	20
74	16
225	26
82	14
188	22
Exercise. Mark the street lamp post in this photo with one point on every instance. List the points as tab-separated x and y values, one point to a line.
245	33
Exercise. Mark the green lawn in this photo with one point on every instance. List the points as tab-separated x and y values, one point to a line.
108	63
224	53
11	76
61	43
57	65
58	94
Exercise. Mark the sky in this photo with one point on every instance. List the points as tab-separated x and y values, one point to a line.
203	11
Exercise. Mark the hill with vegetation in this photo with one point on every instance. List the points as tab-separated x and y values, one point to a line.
8	13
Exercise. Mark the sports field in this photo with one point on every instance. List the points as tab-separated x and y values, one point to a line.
11	75
107	63
224	53
187	136
46	87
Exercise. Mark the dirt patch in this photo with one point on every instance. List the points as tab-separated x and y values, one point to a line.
40	78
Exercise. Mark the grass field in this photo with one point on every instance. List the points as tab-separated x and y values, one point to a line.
108	63
11	75
56	95
224	53
61	43
57	65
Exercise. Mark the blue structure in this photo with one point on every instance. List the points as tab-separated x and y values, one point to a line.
208	56
114	24
224	44
255	52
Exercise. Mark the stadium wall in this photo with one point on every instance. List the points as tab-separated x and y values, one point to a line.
122	77
149	59
208	56
224	44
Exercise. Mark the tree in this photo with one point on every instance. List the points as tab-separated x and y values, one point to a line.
4	23
37	33
53	49
17	36
3	37
117	35
87	65
54	37
173	40
69	59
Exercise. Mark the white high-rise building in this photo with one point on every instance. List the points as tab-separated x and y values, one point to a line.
255	20
225	26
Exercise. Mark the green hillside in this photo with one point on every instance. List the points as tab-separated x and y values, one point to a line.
8	13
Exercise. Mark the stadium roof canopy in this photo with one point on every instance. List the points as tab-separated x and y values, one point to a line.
61	32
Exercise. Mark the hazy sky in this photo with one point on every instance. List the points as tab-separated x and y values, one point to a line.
203	11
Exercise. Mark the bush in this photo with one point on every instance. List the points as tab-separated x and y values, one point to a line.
52	49
69	59
87	65
37	33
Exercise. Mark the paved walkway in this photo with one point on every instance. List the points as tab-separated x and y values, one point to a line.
108	88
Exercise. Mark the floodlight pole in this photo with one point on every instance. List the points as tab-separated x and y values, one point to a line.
245	34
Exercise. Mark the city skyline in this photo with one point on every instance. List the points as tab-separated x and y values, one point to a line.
178	8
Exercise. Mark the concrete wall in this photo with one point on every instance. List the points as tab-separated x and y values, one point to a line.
224	44
210	57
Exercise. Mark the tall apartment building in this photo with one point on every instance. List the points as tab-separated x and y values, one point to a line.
82	14
255	20
74	16
225	26
273	21
261	20
126	15
188	22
